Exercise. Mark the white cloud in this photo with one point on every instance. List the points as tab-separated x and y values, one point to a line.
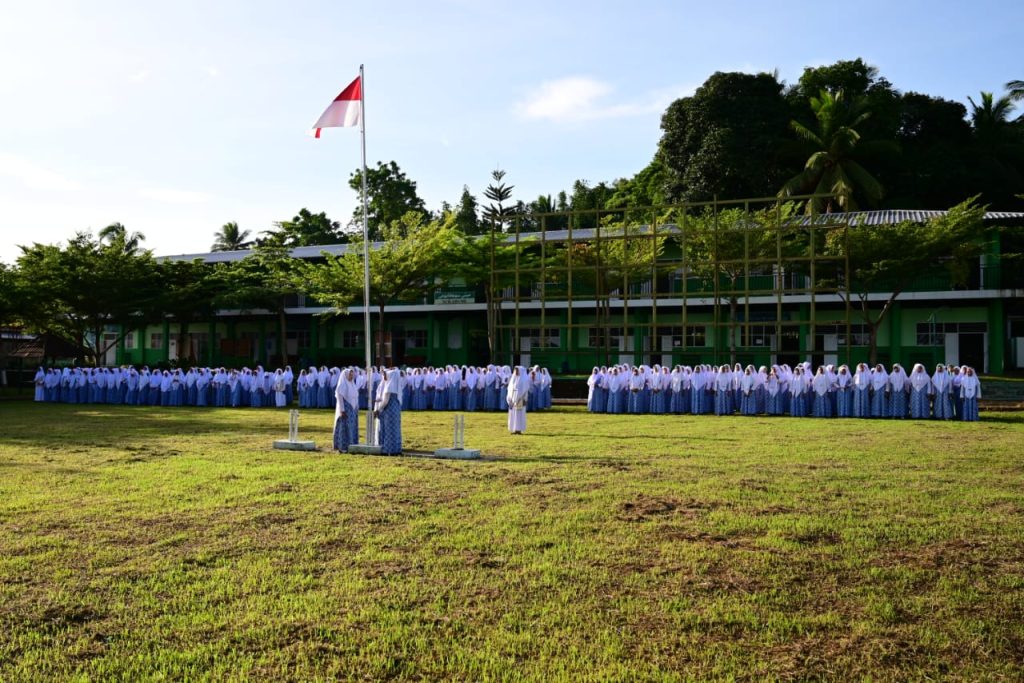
34	176
580	98
211	71
140	76
173	196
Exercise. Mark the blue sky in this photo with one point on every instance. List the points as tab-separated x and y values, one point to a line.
174	118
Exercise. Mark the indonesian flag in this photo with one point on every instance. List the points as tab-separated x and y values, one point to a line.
345	111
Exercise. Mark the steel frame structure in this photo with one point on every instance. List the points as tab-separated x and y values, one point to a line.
756	258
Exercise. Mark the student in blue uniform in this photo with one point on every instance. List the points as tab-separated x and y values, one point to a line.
820	388
920	387
970	392
942	389
899	388
388	409
879	391
346	411
844	392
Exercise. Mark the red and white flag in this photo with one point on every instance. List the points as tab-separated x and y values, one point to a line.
345	111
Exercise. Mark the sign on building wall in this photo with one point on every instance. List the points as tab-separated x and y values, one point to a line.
454	296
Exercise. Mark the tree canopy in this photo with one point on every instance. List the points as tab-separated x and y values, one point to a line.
390	196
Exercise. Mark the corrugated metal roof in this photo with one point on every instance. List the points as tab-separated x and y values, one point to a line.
854	218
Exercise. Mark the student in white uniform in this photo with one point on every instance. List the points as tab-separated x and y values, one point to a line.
517	395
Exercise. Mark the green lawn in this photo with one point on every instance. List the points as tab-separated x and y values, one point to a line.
139	543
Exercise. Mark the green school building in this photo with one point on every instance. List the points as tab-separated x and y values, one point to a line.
773	313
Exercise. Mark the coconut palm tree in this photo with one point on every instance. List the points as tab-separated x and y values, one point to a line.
116	233
231	238
1016	90
832	167
991	118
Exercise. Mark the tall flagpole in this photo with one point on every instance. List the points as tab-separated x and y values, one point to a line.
370	438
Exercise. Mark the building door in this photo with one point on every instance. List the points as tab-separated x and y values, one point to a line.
952	349
626	349
789	348
398	345
525	343
972	350
110	344
831	348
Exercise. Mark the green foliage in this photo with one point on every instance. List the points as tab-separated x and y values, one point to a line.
390	195
834	145
407	262
725	245
467	220
933	167
191	291
306	229
232	238
12	302
78	289
264	280
499	193
887	258
725	140
117	234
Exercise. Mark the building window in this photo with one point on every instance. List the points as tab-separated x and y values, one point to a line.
934	334
550	339
300	337
757	335
415	339
156	340
129	341
696	335
351	339
596	337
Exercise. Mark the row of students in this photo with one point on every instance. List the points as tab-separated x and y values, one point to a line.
951	392
451	388
216	387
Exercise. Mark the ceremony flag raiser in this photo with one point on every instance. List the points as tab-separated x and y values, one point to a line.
344	112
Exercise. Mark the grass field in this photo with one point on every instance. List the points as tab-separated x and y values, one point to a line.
138	544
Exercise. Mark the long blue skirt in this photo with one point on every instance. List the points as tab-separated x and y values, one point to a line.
490	397
822	405
844	402
658	402
748	403
879	406
675	403
862	402
798	405
346	430
440	400
774	405
898	404
723	402
943	406
391	427
919	408
636	402
970	410
698	401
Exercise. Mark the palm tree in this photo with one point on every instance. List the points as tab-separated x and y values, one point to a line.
998	145
1016	90
231	238
991	118
832	167
116	233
